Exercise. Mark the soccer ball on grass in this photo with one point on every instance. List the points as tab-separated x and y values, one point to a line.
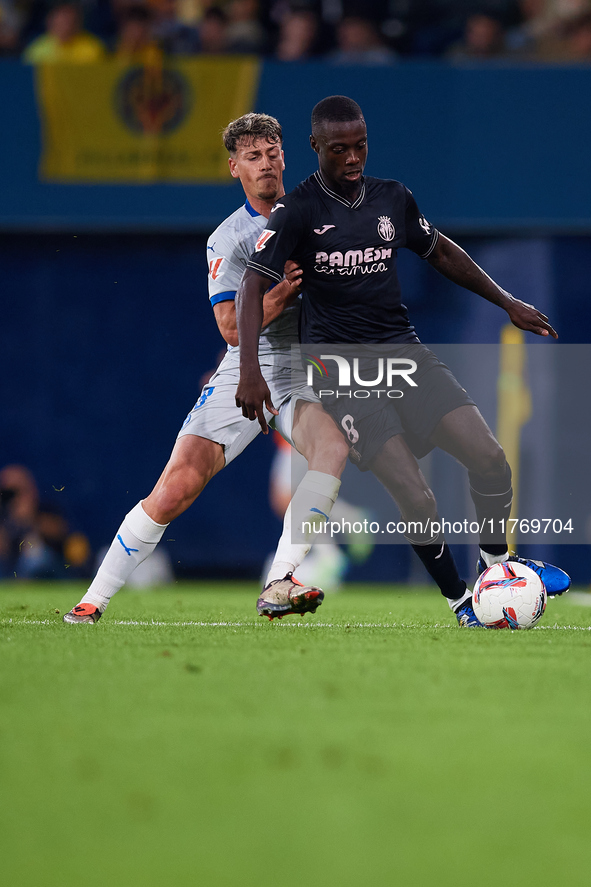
509	595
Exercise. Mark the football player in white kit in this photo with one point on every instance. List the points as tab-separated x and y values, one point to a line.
215	431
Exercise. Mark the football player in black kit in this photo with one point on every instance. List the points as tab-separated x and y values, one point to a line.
343	229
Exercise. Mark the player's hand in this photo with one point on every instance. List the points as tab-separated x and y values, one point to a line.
293	275
527	317
252	395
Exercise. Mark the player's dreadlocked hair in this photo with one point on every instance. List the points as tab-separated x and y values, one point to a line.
335	109
251	127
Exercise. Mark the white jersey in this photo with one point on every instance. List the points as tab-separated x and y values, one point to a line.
215	416
228	250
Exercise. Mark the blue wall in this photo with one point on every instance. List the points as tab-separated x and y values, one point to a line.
104	337
103	344
487	148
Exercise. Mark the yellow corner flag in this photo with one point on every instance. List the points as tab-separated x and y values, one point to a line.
514	406
109	122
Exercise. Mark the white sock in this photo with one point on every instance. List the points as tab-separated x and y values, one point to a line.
454	605
344	512
325	565
306	515
490	559
136	538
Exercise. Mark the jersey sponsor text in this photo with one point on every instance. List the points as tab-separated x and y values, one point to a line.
354	261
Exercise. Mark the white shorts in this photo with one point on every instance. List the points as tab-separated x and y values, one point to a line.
216	417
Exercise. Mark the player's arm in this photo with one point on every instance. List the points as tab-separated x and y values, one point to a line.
275	301
252	392
273	249
454	263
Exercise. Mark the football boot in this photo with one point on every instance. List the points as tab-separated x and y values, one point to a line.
83	613
283	597
555	580
466	616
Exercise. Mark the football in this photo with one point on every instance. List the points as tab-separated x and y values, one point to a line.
509	595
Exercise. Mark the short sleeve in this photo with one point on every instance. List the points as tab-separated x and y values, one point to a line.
226	262
421	236
278	241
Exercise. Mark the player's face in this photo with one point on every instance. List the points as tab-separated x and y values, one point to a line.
342	153
259	166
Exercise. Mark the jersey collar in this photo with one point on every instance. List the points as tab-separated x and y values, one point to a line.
251	212
338	197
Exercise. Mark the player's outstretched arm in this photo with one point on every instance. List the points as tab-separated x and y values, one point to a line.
252	394
454	263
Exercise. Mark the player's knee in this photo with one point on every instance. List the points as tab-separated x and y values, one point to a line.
328	454
491	462
174	494
423	505
416	502
339	451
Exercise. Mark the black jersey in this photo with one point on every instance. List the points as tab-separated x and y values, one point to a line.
347	252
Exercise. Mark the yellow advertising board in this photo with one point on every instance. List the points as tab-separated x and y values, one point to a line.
514	405
109	122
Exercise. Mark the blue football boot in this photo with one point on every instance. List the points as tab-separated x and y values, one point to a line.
555	580
464	613
466	616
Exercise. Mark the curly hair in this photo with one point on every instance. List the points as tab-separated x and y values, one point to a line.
250	128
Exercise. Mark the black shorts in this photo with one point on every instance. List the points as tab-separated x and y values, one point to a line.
369	415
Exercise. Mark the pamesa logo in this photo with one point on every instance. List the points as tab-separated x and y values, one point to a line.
153	100
385	372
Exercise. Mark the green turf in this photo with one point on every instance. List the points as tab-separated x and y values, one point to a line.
373	744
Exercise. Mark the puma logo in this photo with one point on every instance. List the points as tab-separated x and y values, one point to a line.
128	550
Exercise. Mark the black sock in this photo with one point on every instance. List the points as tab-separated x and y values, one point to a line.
492	499
440	565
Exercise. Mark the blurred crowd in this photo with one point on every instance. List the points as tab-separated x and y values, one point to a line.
36	540
343	32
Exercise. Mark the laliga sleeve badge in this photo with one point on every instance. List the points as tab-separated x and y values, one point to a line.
215	267
264	236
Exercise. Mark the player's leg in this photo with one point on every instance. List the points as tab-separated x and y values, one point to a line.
213	434
465	435
398	470
192	464
317	438
376	444
325	563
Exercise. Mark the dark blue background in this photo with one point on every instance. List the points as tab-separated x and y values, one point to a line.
105	337
104	341
484	148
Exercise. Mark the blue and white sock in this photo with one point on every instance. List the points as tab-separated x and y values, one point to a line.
136	538
305	517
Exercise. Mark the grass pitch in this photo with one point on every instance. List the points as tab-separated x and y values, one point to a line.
185	741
